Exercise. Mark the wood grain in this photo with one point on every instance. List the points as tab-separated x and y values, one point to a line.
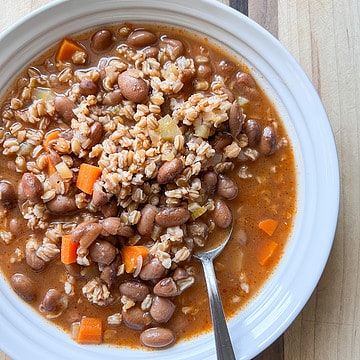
324	37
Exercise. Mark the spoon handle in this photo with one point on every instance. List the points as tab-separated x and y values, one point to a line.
224	349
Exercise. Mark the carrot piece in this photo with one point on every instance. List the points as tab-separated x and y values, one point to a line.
68	250
67	49
90	331
266	251
51	169
88	174
130	255
268	226
51	136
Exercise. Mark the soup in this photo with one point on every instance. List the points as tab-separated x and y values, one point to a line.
123	150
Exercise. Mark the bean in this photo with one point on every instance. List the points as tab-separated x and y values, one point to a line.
145	225
176	46
54	157
15	226
99	196
199	231
64	107
88	87
221	141
36	263
209	182
172	216
113	226
51	300
162	309
245	80
166	288
227	187
133	88
157	337
96	133
141	38
169	170
246	86
185	75
225	68
151	52
152	270
73	270
110	209
268	141
112	98
203	71
7	195
109	272
86	233
23	286
101	40
102	252
253	132
134	290
222	215
62	204
236	119
30	188
180	274
136	319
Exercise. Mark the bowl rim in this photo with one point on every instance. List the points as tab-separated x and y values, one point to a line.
318	177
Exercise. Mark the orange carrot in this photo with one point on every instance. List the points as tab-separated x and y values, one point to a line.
90	331
130	255
87	176
268	226
67	49
51	136
51	169
68	250
266	251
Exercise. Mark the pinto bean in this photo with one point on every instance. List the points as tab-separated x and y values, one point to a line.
23	286
209	182
109	272
64	107
141	38
227	187
133	88
8	196
221	141
222	214
151	52
157	337
110	209
204	71
198	231
146	223
185	76
99	197
169	170
246	86
62	204
15	226
268	141
180	274
226	68
177	47
73	270
166	288
152	270
136	319
113	226
134	290
51	300
172	216
96	133
236	119
36	263
253	132
30	188
101	40
112	98
88	87
102	252
54	157
86	233
162	309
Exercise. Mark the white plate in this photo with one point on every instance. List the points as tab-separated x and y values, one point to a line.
24	334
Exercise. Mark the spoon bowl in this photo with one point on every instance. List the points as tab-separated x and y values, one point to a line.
206	255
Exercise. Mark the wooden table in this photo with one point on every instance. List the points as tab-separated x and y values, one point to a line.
324	36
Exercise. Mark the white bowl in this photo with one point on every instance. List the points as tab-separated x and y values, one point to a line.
24	334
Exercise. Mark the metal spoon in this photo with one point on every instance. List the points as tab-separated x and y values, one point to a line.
206	255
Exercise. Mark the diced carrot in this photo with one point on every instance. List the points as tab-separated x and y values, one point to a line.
90	331
268	226
68	250
130	255
51	136
51	169
67	49
88	174
266	251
